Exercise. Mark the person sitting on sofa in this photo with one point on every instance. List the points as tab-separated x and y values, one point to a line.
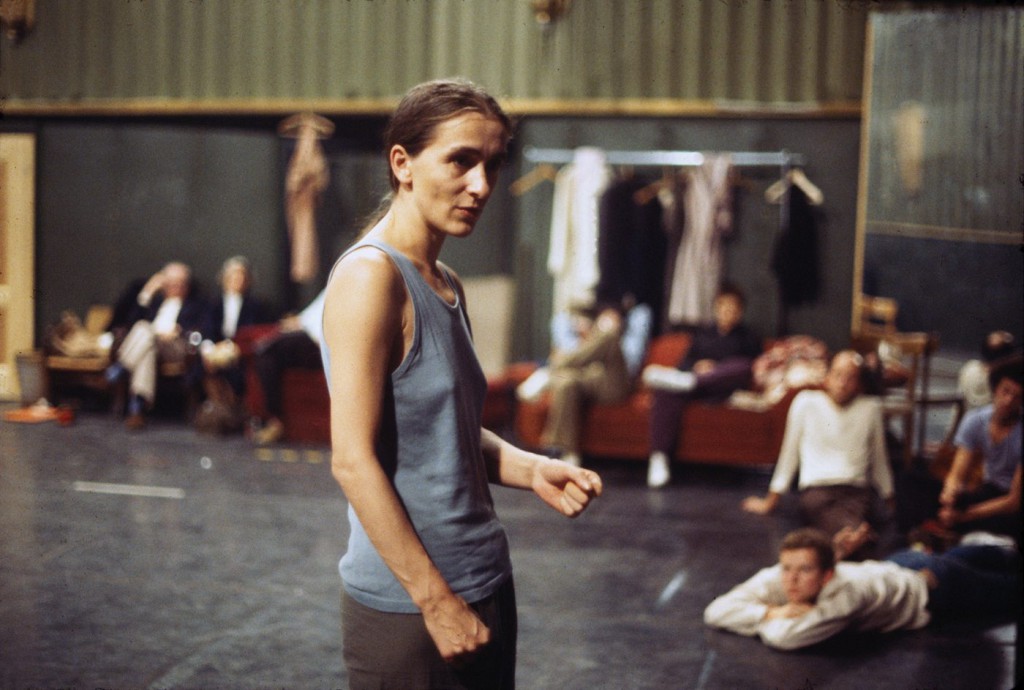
835	441
237	308
163	318
717	363
601	368
807	597
295	345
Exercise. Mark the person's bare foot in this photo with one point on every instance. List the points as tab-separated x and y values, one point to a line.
848	540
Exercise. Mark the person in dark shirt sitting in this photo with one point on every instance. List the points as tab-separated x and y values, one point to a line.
718	362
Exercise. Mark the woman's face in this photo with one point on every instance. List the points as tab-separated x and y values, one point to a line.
235	279
451	179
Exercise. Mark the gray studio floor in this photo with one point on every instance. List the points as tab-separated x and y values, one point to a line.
218	570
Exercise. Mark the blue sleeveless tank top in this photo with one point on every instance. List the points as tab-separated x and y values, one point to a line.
429	446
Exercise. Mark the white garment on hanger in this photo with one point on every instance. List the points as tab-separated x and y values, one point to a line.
707	207
572	256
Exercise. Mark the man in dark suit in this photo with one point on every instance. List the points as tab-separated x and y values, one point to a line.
163	320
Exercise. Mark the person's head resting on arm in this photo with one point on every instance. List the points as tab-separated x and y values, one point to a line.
807	562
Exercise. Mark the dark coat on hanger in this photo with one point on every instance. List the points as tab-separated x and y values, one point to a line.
796	262
632	247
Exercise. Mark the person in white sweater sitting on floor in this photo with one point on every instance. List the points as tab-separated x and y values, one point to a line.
807	597
835	442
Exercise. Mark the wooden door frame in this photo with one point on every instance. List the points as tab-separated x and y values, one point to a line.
17	256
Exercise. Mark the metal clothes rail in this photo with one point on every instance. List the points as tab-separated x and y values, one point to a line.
668	158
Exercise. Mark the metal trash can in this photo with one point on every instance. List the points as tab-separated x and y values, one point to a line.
31	376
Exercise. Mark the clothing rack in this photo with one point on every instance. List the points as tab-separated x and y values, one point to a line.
682	159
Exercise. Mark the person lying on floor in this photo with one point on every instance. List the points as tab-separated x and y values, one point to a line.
808	597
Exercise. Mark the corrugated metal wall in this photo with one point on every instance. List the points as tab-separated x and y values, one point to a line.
969	99
358	54
942	215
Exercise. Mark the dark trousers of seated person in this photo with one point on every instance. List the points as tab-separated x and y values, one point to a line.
830	508
291	350
728	376
1009	524
919	502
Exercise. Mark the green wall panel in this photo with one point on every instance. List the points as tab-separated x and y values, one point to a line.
266	52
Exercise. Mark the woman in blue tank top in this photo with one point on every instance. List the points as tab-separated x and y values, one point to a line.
427	596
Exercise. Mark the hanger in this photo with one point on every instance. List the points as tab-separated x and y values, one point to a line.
797	177
541	173
644	195
293	125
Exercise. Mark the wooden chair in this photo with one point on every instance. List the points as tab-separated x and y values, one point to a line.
66	371
874	316
908	356
88	372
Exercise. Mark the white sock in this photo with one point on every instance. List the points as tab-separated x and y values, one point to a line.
535	384
668	378
658	472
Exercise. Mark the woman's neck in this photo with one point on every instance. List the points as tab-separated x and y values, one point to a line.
404	229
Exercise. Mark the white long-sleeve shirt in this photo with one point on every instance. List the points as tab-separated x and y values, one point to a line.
871	595
312	317
832	445
572	254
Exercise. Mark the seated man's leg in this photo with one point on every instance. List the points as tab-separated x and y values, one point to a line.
596	348
666	410
293	349
569	396
1009	524
138	354
831	508
729	375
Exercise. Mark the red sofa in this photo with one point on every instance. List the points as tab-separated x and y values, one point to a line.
306	404
710	433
